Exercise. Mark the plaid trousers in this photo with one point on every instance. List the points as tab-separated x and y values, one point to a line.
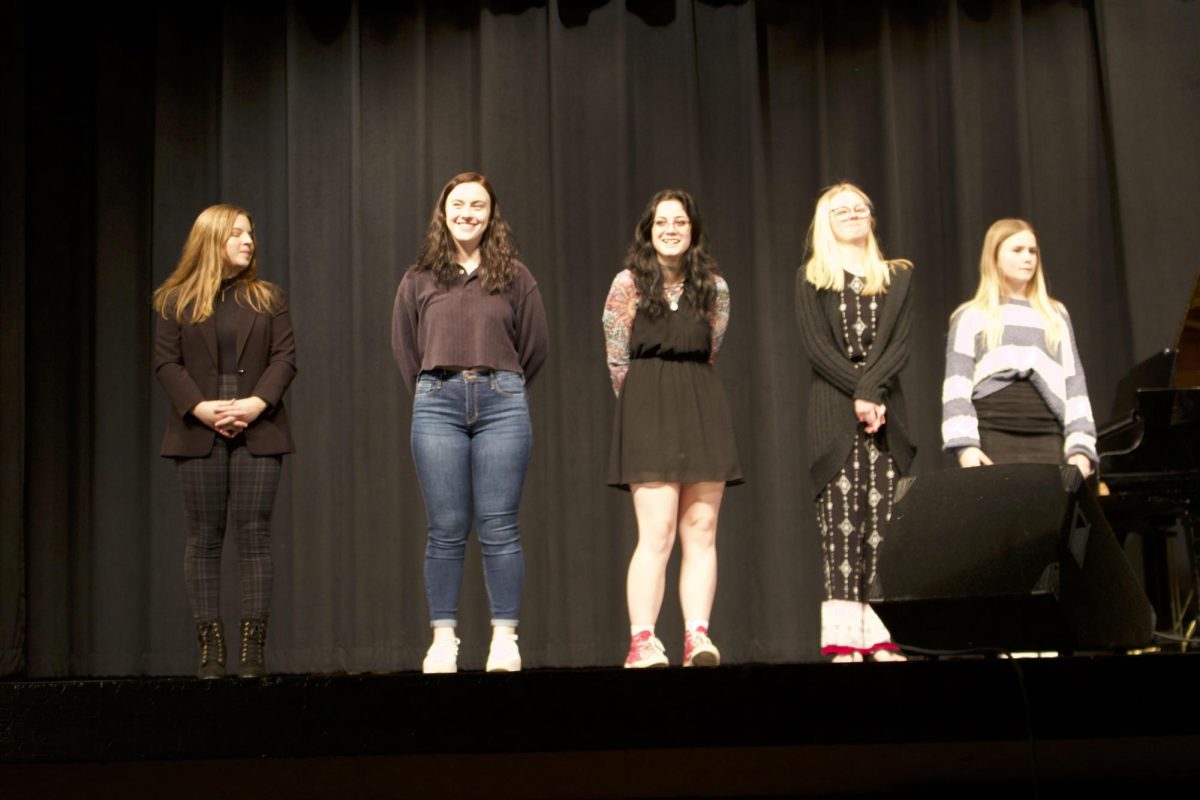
229	484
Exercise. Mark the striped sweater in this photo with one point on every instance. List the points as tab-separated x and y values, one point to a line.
973	371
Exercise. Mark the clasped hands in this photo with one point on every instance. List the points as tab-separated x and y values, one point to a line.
873	415
229	417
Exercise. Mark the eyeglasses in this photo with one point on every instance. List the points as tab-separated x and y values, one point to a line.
844	213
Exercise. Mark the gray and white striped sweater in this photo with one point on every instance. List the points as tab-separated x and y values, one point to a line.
973	371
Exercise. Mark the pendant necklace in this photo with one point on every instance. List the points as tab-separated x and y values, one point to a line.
673	293
856	286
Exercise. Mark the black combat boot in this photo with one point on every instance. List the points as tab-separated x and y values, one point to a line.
254	642
212	650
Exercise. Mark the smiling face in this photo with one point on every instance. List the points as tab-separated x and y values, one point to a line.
670	232
239	247
849	217
1017	261
468	209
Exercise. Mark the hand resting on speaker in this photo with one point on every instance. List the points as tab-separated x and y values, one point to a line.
973	457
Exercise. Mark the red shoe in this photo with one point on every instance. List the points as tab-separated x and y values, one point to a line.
645	650
698	649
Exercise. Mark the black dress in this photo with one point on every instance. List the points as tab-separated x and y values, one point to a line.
672	422
854	509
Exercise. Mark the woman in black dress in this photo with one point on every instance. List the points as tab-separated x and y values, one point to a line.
853	307
673	446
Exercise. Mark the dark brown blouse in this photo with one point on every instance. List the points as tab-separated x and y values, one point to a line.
466	326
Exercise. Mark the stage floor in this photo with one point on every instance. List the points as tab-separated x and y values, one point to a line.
990	726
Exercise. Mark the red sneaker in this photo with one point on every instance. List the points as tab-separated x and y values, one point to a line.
698	649
645	650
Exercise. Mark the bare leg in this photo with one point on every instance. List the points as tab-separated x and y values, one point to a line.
657	508
699	506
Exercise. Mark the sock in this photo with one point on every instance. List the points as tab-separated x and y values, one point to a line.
693	624
634	630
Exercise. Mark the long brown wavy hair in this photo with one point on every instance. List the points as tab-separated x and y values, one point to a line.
699	267
498	248
193	286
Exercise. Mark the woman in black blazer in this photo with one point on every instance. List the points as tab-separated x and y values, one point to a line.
224	352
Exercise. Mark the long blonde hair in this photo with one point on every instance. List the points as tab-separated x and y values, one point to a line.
993	292
194	284
824	266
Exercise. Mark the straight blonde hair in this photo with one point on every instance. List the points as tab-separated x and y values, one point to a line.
824	268
993	293
192	288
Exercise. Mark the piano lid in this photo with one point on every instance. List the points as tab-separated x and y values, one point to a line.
1155	426
1175	368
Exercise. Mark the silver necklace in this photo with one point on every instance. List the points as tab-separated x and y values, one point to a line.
672	294
860	327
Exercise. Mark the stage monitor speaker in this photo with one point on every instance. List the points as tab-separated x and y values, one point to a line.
1017	557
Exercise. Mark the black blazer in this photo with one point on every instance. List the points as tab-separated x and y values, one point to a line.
185	363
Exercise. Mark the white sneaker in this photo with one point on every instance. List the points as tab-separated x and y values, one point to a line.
504	655
442	657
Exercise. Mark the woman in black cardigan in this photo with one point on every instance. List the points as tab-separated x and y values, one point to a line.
853	307
225	354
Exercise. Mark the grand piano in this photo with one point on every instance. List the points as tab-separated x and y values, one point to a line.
1150	469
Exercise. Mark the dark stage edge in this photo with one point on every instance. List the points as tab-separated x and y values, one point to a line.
809	730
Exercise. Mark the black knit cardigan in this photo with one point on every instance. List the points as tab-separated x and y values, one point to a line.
836	382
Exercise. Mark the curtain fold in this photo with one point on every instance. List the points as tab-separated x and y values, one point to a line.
13	187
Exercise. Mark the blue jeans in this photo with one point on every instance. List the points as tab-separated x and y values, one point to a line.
471	440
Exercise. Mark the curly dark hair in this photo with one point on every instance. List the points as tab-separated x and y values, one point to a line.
498	249
699	267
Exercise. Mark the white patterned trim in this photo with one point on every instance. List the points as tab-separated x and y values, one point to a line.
845	623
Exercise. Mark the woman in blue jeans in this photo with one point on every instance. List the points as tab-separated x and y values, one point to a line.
469	334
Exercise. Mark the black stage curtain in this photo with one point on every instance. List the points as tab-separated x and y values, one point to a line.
336	123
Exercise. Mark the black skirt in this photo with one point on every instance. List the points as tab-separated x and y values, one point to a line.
1003	447
1017	427
672	422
